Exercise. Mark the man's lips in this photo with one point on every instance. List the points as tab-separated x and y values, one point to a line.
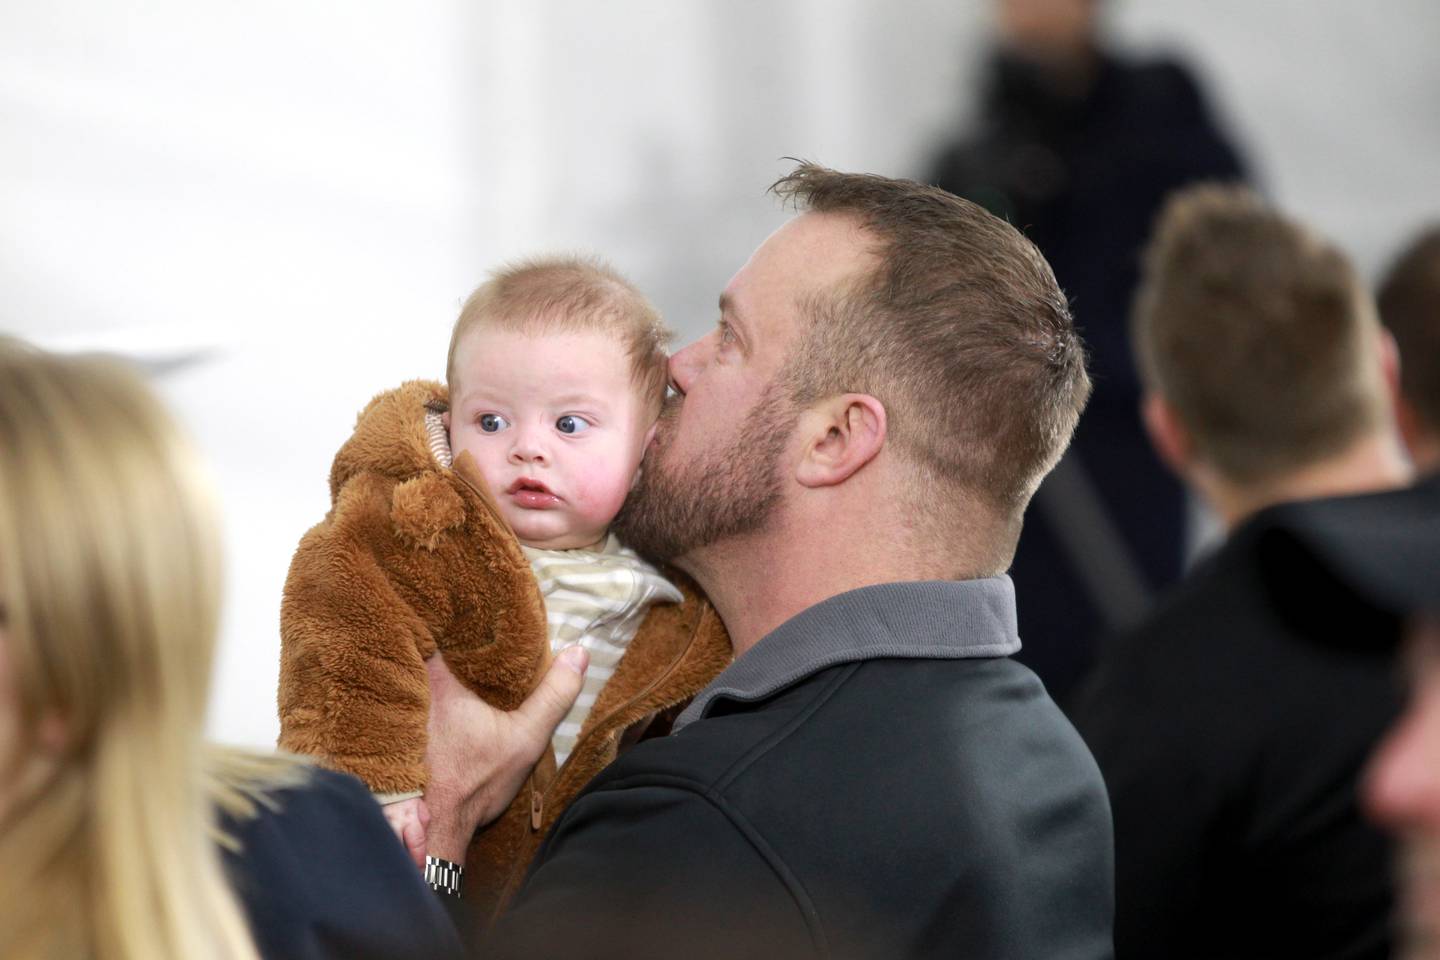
531	494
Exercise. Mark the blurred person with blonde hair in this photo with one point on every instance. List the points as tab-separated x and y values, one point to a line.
1231	737
1410	309
122	833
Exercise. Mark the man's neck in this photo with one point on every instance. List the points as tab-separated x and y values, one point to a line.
758	582
1375	462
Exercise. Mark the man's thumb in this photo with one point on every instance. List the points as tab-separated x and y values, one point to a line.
546	707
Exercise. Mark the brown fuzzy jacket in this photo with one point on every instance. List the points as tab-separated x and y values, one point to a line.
413	558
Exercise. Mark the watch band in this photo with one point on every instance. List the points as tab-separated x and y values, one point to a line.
444	876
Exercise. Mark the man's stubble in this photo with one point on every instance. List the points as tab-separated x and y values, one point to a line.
677	508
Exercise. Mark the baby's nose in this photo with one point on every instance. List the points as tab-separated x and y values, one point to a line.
527	447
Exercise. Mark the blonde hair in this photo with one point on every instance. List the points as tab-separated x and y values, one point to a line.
564	295
109	580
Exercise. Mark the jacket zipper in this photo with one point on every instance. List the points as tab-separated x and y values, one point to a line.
537	798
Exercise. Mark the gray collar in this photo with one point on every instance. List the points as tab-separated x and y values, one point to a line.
934	619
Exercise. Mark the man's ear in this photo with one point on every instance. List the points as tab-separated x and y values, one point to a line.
1170	438
445	420
841	435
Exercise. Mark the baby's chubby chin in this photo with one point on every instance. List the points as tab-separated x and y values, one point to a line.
545	536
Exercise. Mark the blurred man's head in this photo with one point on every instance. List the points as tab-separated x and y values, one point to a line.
1410	308
1259	349
1047	29
887	310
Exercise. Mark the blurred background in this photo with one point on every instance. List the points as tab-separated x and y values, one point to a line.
279	207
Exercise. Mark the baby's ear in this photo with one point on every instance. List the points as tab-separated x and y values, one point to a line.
424	507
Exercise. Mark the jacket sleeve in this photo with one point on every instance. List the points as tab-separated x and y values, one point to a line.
321	876
353	689
655	870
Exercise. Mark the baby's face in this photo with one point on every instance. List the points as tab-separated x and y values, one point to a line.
556	426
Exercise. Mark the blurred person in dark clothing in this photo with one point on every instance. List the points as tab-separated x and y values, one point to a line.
1410	309
1230	740
1079	148
1381	552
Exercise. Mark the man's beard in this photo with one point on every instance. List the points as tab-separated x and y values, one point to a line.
677	508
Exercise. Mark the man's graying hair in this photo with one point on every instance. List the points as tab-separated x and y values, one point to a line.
961	331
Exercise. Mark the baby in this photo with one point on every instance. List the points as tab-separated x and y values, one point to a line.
555	378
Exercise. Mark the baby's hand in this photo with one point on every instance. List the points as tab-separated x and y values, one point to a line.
409	818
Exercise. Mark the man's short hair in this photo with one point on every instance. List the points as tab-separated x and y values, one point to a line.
565	295
1410	308
1257	332
960	331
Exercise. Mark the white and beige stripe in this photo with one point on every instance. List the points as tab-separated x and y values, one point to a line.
596	598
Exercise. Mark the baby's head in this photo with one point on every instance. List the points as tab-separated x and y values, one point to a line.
557	370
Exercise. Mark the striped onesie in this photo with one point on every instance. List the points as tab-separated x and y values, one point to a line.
596	598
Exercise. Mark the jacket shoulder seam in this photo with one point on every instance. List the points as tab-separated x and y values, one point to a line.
755	753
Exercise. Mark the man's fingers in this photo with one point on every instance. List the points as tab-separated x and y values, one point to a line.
543	710
414	837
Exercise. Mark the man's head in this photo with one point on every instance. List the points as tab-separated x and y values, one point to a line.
1048	29
1410	309
556	372
890	314
1257	344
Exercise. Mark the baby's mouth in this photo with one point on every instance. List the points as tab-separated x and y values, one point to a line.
528	484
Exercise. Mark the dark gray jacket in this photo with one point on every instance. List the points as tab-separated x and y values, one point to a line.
874	779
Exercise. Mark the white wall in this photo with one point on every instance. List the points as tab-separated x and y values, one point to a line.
290	200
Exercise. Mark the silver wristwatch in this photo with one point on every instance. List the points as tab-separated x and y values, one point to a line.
443	876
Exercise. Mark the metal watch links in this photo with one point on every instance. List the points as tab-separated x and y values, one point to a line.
443	876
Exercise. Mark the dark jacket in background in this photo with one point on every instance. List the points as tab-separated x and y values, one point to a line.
873	779
1084	173
1232	739
323	877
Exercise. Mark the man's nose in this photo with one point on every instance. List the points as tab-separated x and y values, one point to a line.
686	364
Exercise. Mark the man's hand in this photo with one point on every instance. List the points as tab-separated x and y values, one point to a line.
479	756
409	819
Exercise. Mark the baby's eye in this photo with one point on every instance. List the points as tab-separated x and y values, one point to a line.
493	422
571	424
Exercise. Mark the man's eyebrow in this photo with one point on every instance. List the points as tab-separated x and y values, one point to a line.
729	312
